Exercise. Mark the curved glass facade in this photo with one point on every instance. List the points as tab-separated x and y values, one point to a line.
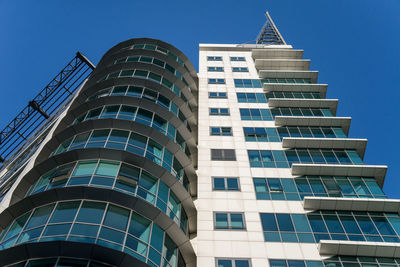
94	222
133	113
155	61
161	202
141	92
60	262
159	49
145	74
118	176
125	140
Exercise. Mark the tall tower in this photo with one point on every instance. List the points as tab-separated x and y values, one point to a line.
280	183
151	164
110	181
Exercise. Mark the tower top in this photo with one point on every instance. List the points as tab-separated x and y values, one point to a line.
269	33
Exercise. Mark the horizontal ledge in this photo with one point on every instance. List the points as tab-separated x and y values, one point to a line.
282	64
329	143
304	103
313	75
343	122
376	171
359	248
277	53
352	204
296	87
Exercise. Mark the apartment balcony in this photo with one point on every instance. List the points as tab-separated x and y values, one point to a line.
276	53
282	64
304	103
291	74
343	122
290	87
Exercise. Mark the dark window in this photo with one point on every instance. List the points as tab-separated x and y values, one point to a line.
225	184
233	263
238	59
216	81
223	154
219	111
214	58
217	95
221	131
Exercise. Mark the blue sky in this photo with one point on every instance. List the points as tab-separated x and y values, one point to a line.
354	44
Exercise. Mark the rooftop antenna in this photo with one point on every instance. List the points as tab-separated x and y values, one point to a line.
269	33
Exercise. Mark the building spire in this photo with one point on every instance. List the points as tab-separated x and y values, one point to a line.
269	33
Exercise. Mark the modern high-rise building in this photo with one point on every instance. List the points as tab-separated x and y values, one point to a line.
149	163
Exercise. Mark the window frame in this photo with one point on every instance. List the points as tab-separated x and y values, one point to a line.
226	188
229	213
215	69
221	133
214	58
218	96
210	113
237	59
233	260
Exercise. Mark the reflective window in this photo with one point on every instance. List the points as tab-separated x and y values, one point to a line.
338	261
155	61
321	186
119	176
285	159
233	263
251	98
216	81
261	134
214	58
96	222
225	183
238	59
140	92
330	225
255	83
147	75
221	131
217	95
269	114
229	221
219	111
140	115
240	69
215	69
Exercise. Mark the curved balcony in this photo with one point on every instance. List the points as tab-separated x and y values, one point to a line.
116	175
146	71
105	217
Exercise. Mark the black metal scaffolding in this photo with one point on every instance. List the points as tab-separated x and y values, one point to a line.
44	105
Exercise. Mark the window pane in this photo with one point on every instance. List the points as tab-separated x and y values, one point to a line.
39	216
268	222
91	212
107	168
85	168
237	221
221	220
116	217
65	212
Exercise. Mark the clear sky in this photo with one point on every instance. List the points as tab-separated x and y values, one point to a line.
354	44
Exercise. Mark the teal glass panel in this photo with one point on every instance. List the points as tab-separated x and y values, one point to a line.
39	216
85	230
85	168
140	227
91	212
65	212
116	217
107	168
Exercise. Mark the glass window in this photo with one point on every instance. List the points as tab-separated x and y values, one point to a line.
225	183
39	216
91	212
65	212
229	220
116	217
107	168
85	168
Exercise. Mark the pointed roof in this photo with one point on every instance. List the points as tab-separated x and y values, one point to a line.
269	33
